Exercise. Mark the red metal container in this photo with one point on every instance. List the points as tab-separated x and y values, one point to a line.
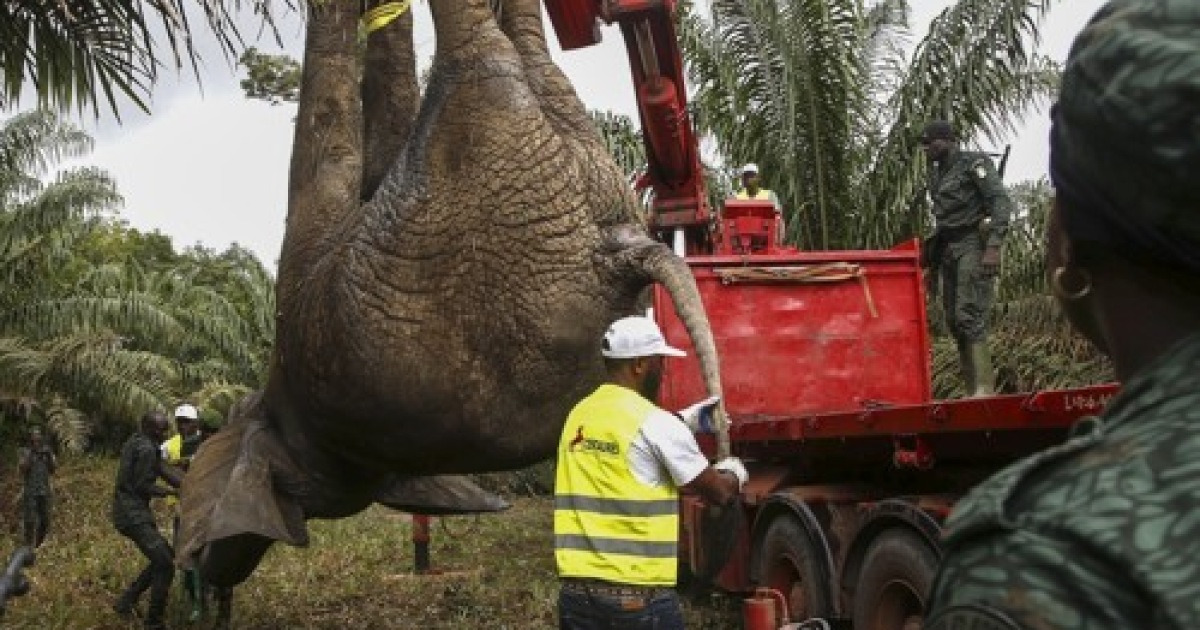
806	332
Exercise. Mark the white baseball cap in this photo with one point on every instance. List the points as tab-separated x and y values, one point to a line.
187	411
636	337
750	168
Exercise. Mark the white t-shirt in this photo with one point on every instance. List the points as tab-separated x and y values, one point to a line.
665	451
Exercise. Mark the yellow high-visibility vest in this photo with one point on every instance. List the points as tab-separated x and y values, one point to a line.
762	195
608	525
173	451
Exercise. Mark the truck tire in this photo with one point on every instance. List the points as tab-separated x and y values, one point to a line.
893	585
788	562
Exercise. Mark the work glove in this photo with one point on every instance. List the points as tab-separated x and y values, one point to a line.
735	466
700	416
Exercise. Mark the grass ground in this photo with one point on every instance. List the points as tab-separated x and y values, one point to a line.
357	573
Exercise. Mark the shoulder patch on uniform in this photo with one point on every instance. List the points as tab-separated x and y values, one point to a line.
972	617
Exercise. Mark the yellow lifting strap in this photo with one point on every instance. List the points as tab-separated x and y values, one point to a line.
383	15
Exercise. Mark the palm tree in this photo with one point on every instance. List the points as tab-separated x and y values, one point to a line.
76	53
39	228
85	344
820	95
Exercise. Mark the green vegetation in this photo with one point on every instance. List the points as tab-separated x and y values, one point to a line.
499	571
826	98
88	52
100	322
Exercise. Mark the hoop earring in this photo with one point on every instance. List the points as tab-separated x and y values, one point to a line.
1059	288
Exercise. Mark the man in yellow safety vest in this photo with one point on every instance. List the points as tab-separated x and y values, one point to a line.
621	463
752	189
178	452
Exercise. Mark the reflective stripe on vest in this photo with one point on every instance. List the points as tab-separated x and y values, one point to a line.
762	195
608	525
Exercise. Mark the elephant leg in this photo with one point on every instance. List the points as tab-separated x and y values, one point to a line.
521	22
466	29
326	169
389	97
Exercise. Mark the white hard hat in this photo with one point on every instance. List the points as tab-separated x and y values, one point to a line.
636	337
750	168
187	411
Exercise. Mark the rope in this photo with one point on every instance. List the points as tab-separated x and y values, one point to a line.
384	14
815	274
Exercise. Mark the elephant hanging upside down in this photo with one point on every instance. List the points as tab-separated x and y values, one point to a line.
445	280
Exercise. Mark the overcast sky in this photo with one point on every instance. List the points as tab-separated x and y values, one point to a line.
211	166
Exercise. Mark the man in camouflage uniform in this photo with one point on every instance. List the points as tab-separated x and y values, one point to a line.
37	465
140	469
1102	532
971	211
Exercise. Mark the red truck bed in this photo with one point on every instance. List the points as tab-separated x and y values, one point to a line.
824	350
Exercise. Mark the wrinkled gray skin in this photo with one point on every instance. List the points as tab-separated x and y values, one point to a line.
443	287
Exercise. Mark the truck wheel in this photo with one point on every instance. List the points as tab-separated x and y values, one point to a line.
788	563
894	583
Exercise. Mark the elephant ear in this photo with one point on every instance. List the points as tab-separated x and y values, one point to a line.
439	495
228	493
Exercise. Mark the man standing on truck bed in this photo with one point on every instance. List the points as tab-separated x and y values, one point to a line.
752	190
971	211
1102	532
621	462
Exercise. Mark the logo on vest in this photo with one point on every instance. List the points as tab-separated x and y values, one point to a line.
583	444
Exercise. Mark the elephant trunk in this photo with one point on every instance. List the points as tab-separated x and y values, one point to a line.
673	273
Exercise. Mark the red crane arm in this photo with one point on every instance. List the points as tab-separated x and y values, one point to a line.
674	171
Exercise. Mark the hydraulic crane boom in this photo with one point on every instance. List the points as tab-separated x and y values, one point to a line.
680	207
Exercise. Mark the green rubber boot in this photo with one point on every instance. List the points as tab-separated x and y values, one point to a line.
196	589
981	368
966	366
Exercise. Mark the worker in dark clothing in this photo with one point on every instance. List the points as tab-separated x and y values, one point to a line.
971	211
1101	532
37	465
137	482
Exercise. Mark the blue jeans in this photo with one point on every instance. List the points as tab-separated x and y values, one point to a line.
583	611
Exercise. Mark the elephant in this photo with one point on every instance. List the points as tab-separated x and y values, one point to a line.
450	262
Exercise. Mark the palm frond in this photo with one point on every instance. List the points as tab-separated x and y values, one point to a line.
782	84
976	67
78	53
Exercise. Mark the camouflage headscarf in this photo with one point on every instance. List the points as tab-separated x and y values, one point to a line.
1125	141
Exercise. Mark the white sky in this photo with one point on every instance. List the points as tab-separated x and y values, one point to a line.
212	167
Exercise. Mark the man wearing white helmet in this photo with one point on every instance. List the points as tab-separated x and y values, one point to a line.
621	463
178	452
752	189
187	433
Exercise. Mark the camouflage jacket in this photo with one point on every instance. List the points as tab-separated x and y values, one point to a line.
37	466
1101	532
137	477
965	189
